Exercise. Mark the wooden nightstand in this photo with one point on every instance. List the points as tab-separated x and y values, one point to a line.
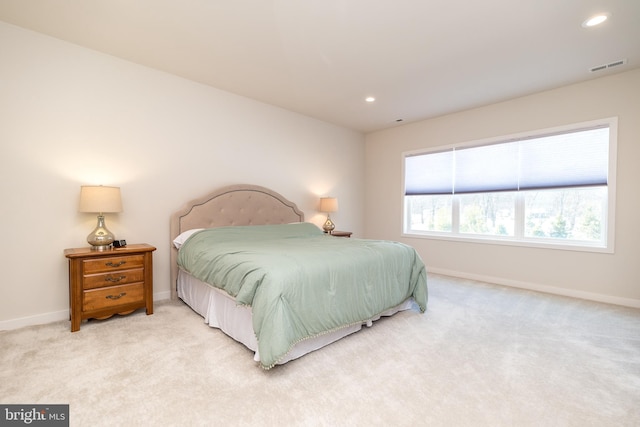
104	283
341	233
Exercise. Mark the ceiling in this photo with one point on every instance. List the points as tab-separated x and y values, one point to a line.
321	58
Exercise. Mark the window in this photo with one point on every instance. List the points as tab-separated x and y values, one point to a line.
553	188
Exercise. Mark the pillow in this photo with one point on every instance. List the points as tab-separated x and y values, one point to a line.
178	241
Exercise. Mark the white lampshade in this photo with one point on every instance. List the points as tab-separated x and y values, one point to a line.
328	204
100	199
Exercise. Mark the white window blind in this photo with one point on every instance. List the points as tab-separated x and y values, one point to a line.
429	174
488	168
572	159
576	159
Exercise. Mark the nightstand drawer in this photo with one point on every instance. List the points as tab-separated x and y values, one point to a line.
116	295
119	277
112	263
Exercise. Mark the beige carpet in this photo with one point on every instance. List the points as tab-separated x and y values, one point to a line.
482	355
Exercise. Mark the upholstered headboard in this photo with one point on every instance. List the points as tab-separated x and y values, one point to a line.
233	205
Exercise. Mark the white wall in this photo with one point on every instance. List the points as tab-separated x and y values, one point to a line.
71	116
607	277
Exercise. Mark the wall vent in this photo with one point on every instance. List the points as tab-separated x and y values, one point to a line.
607	66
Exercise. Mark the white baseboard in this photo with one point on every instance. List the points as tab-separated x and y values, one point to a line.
55	316
37	319
161	296
627	302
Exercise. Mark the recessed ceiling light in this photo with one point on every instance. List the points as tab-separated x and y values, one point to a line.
595	20
370	99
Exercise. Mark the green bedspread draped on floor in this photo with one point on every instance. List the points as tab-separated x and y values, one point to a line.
301	282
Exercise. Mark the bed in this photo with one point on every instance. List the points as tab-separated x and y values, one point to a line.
244	259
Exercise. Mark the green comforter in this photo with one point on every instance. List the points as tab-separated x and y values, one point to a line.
300	282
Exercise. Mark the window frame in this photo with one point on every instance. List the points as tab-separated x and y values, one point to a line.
519	239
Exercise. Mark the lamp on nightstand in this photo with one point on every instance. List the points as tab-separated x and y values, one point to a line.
100	200
328	205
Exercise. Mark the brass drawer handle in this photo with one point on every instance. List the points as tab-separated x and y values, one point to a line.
116	296
111	264
114	279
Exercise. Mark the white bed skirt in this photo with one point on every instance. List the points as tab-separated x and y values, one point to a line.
220	311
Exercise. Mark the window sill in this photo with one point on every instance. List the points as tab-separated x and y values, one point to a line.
506	241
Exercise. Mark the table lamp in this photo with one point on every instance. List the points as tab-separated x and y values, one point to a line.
100	199
328	205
